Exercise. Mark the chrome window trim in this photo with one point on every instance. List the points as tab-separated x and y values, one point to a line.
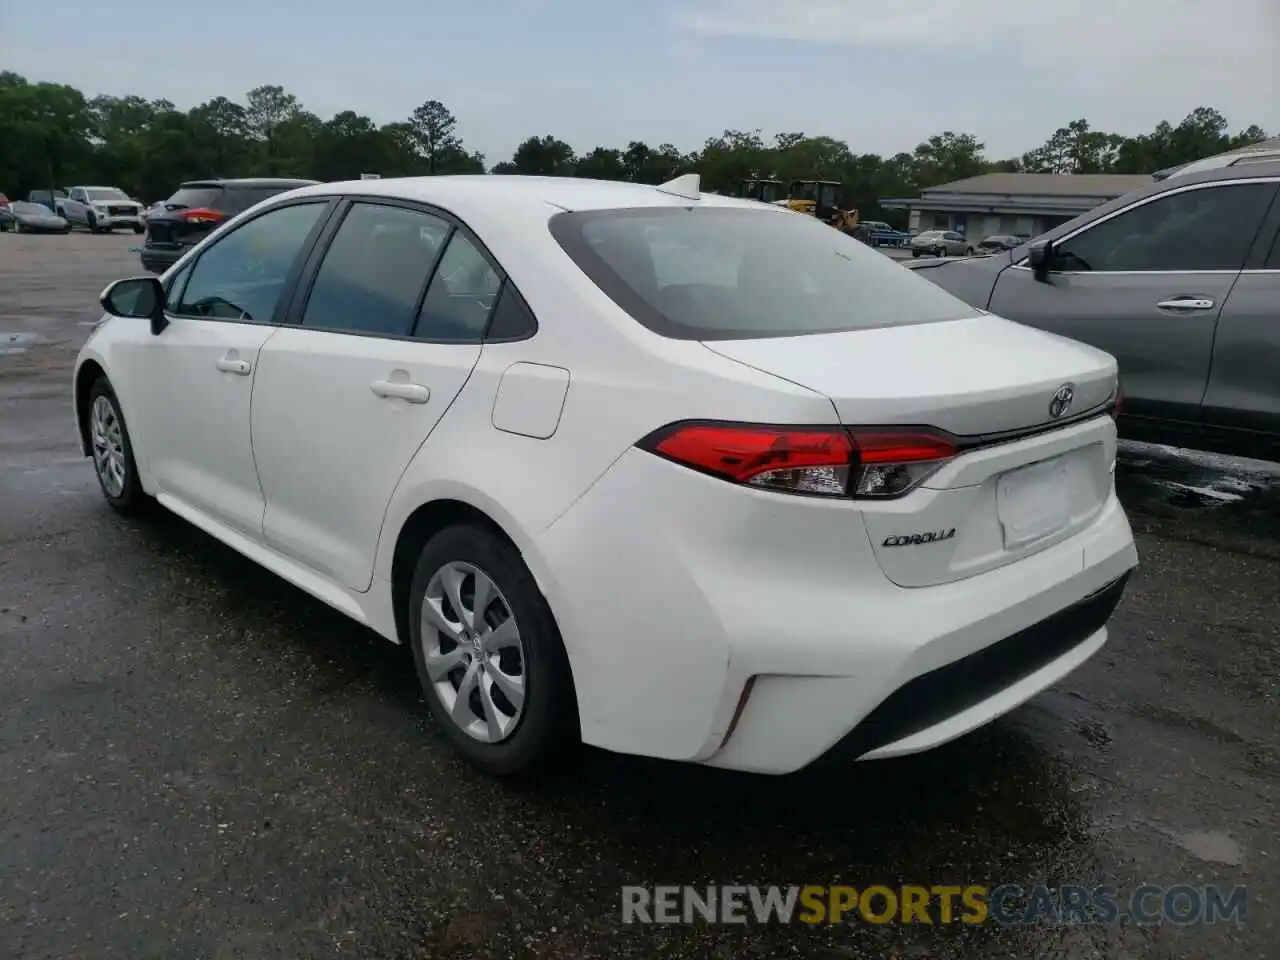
1186	188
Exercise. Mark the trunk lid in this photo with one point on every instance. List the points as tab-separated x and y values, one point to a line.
1023	479
974	376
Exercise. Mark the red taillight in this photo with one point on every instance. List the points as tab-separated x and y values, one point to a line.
827	461
1118	403
202	215
893	462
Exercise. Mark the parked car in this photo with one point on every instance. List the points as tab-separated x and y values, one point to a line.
197	208
1180	281
940	243
626	464
998	243
883	235
6	214
47	198
101	209
36	218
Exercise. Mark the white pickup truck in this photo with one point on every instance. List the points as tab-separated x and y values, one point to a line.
101	209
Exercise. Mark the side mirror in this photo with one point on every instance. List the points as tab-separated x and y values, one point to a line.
139	298
1039	257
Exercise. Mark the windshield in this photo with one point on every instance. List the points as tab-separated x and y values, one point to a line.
106	193
726	273
30	209
193	197
928	234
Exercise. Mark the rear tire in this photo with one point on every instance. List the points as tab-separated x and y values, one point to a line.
112	451
489	728
968	251
915	254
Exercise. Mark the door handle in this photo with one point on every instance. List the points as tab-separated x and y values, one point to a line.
1186	303
412	392
241	367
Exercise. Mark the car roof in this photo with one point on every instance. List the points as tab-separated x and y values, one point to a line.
490	191
1256	153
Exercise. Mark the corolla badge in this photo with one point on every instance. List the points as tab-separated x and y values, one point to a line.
1061	401
915	539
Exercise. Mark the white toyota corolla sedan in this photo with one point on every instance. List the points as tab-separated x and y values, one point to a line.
671	474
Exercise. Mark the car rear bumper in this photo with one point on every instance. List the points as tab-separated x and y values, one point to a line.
160	259
741	629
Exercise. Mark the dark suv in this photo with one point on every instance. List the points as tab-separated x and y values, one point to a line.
197	208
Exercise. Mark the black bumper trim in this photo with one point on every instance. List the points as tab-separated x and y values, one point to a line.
953	688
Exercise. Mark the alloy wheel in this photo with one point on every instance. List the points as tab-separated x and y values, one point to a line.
473	652
108	446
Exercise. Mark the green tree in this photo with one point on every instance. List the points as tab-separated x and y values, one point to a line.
433	135
545	157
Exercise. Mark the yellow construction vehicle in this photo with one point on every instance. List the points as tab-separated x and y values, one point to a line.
817	198
766	191
822	199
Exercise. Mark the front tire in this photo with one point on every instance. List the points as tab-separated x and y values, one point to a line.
112	451
488	653
968	251
92	223
138	228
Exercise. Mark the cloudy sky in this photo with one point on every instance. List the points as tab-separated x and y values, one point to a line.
881	74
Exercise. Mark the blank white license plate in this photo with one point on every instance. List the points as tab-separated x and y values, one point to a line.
1034	501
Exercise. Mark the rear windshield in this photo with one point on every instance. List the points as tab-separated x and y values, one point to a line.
726	273
230	199
194	198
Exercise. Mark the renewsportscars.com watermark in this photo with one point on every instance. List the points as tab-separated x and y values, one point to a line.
1007	904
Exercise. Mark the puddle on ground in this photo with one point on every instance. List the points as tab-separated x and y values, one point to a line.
1212	846
1187	480
15	342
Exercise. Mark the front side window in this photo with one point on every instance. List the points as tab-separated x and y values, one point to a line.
375	270
243	274
724	273
1209	228
174	289
461	296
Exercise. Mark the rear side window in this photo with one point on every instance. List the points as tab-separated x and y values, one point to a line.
461	296
375	270
727	273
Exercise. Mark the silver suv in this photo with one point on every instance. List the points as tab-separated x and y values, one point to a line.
1180	281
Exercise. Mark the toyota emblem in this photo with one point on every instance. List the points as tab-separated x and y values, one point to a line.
1061	401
